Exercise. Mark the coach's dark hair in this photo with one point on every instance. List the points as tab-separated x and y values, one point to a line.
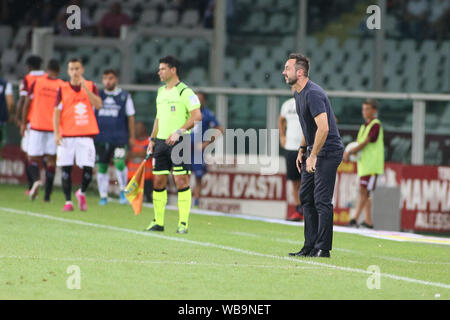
372	103
172	62
34	62
301	62
53	65
75	60
110	71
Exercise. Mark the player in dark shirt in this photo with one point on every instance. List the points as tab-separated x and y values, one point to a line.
319	156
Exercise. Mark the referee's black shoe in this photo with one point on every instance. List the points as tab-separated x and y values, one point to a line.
319	253
154	227
304	252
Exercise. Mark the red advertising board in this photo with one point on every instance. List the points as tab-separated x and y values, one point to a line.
345	192
425	195
424	203
13	164
248	186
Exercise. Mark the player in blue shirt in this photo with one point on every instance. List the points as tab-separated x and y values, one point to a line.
323	148
116	123
209	121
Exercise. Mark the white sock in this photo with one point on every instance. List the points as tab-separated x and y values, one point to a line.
122	178
103	182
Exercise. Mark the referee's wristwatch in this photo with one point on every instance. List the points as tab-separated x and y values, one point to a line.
303	148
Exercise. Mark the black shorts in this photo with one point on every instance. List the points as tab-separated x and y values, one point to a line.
163	162
291	167
105	152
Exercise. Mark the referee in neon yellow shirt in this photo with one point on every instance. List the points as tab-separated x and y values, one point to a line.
177	109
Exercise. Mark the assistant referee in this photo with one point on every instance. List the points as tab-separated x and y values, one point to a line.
177	110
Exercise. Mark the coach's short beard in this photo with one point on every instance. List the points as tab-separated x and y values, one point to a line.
291	82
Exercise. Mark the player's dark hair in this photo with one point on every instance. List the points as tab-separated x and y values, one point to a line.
110	71
301	62
75	60
34	62
53	65
203	93
372	103
172	62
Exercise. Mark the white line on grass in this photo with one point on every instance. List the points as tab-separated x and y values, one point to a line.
254	235
195	263
378	234
227	248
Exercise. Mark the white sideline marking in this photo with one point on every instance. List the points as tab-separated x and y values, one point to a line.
214	245
190	263
254	235
371	233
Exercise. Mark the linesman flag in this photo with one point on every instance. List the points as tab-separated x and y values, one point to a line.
134	191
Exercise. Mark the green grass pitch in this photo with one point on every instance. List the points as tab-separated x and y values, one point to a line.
220	258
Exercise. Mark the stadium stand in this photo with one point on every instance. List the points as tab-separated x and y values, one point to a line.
257	49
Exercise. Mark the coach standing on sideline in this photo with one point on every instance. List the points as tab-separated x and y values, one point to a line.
324	150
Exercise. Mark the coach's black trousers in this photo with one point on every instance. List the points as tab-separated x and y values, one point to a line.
316	194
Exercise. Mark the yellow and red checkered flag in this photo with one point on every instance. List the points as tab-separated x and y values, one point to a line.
134	191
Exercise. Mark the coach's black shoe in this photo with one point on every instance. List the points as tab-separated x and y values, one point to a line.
154	227
319	253
302	253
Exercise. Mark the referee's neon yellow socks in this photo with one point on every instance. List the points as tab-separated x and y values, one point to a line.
184	205
159	205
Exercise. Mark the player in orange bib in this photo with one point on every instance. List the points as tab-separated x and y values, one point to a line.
33	63
75	126
41	145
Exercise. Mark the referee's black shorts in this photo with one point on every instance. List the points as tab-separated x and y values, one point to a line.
291	167
162	155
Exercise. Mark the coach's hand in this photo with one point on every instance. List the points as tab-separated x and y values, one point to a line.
311	163
299	160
